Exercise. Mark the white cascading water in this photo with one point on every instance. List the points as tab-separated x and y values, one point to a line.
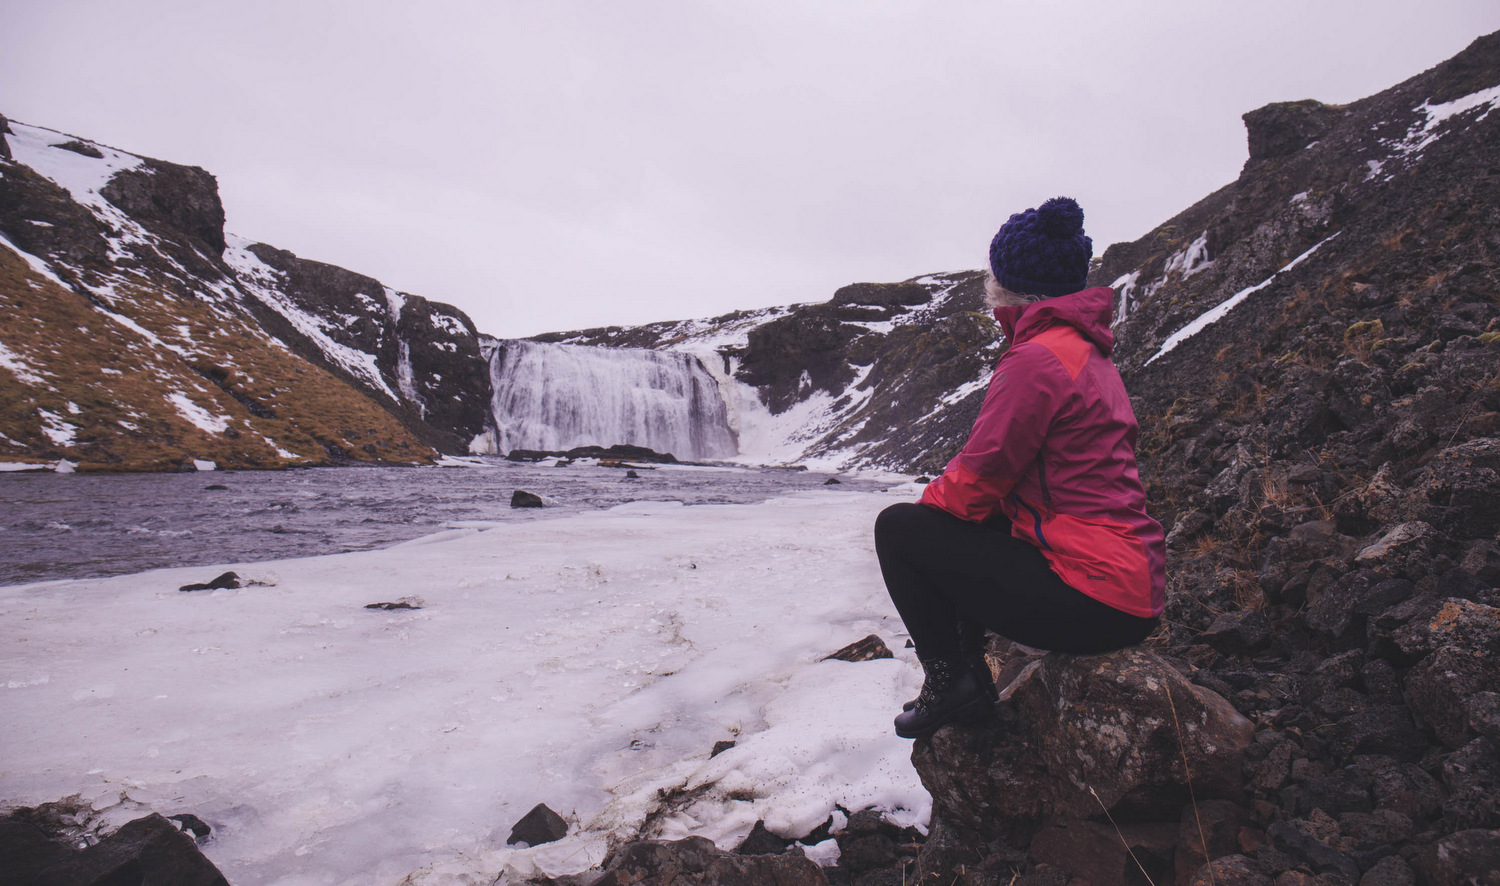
555	397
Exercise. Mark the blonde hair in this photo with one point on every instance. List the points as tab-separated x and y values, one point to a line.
997	296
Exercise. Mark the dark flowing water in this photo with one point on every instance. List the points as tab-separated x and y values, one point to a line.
59	526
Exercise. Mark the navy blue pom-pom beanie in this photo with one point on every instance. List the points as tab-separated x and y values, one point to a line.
1043	251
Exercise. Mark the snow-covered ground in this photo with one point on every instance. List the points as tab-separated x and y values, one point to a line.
588	662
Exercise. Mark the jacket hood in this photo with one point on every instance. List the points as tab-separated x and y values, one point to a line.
1089	311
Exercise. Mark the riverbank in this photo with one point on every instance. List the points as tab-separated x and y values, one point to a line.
589	662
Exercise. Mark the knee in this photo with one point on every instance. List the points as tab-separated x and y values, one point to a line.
895	522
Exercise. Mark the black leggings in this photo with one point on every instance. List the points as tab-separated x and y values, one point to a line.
941	570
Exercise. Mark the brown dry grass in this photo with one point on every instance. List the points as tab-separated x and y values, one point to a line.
97	374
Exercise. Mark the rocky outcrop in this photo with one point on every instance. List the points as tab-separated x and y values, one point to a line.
1284	128
1076	746
34	849
171	200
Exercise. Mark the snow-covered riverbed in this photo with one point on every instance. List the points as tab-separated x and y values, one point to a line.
588	662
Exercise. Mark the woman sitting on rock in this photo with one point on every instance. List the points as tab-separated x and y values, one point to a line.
1038	529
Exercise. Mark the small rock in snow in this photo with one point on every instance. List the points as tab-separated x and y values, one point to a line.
868	649
540	825
227	580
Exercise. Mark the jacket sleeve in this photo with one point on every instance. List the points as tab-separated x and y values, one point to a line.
1024	395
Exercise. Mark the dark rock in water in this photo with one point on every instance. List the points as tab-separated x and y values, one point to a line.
402	604
832	481
147	850
632	475
618	452
868	649
720	747
1074	736
216	486
523	499
761	842
225	581
1466	858
622	451
923	480
540	825
695	861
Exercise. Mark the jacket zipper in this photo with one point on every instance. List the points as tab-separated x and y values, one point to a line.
1035	516
1041	475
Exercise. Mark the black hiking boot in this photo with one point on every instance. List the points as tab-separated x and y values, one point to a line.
973	640
951	693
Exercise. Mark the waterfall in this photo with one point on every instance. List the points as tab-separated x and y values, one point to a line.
556	397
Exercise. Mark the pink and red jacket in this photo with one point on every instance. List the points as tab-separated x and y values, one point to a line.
1053	450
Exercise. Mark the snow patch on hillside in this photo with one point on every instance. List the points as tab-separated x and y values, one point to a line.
1219	311
200	418
264	283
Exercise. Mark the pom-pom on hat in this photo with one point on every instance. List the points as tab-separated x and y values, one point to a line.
1043	251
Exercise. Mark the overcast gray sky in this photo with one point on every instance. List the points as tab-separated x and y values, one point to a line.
554	165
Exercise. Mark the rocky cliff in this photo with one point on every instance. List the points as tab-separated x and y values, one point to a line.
141	336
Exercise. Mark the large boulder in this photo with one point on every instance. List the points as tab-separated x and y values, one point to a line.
147	850
1076	736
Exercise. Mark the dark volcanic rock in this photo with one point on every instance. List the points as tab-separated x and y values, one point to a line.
1472	776
540	825
1438	690
523	499
1466	858
1236	633
1073	736
147	850
1296	840
761	842
1231	870
868	649
171	201
1096	852
224	581
1284	128
695	861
